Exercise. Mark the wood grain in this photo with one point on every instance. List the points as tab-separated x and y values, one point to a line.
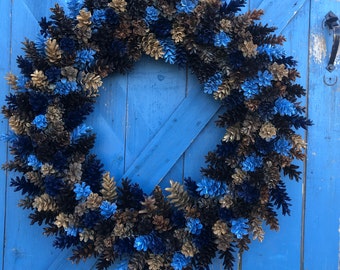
281	250
173	138
323	164
5	44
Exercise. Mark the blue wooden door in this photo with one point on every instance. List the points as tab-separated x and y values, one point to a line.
132	124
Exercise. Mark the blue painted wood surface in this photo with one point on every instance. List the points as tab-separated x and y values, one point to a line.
5	44
130	122
322	222
282	250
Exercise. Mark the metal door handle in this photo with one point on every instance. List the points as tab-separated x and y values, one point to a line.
331	21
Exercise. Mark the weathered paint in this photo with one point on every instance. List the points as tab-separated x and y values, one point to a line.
274	15
321	249
318	48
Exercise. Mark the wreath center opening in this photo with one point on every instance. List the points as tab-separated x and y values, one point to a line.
131	112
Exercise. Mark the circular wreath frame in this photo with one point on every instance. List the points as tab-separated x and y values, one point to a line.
237	60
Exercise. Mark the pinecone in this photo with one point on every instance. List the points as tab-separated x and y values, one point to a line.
53	51
118	5
44	203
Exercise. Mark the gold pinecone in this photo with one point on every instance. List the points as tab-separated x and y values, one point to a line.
93	201
91	82
44	203
188	249
152	47
54	114
220	228
155	262
267	131
298	142
161	224
83	29
109	189
98	243
178	196
118	5
168	9
149	205
34	178
239	176
226	201
272	176
53	51
233	133
139	27
278	71
38	79
123	230
18	125
47	169
12	80
224	241
178	34
80	209
256	227
248	49
223	90
84	18
241	23
86	235
62	220
182	235
74	172
226	25
252	104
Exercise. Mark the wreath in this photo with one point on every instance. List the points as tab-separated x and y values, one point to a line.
238	61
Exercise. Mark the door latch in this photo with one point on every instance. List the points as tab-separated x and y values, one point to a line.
332	23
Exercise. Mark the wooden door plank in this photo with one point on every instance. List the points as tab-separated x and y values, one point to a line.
18	250
5	49
39	9
254	4
193	158
172	140
189	164
280	13
281	250
25	246
60	262
155	89
205	141
323	163
109	122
